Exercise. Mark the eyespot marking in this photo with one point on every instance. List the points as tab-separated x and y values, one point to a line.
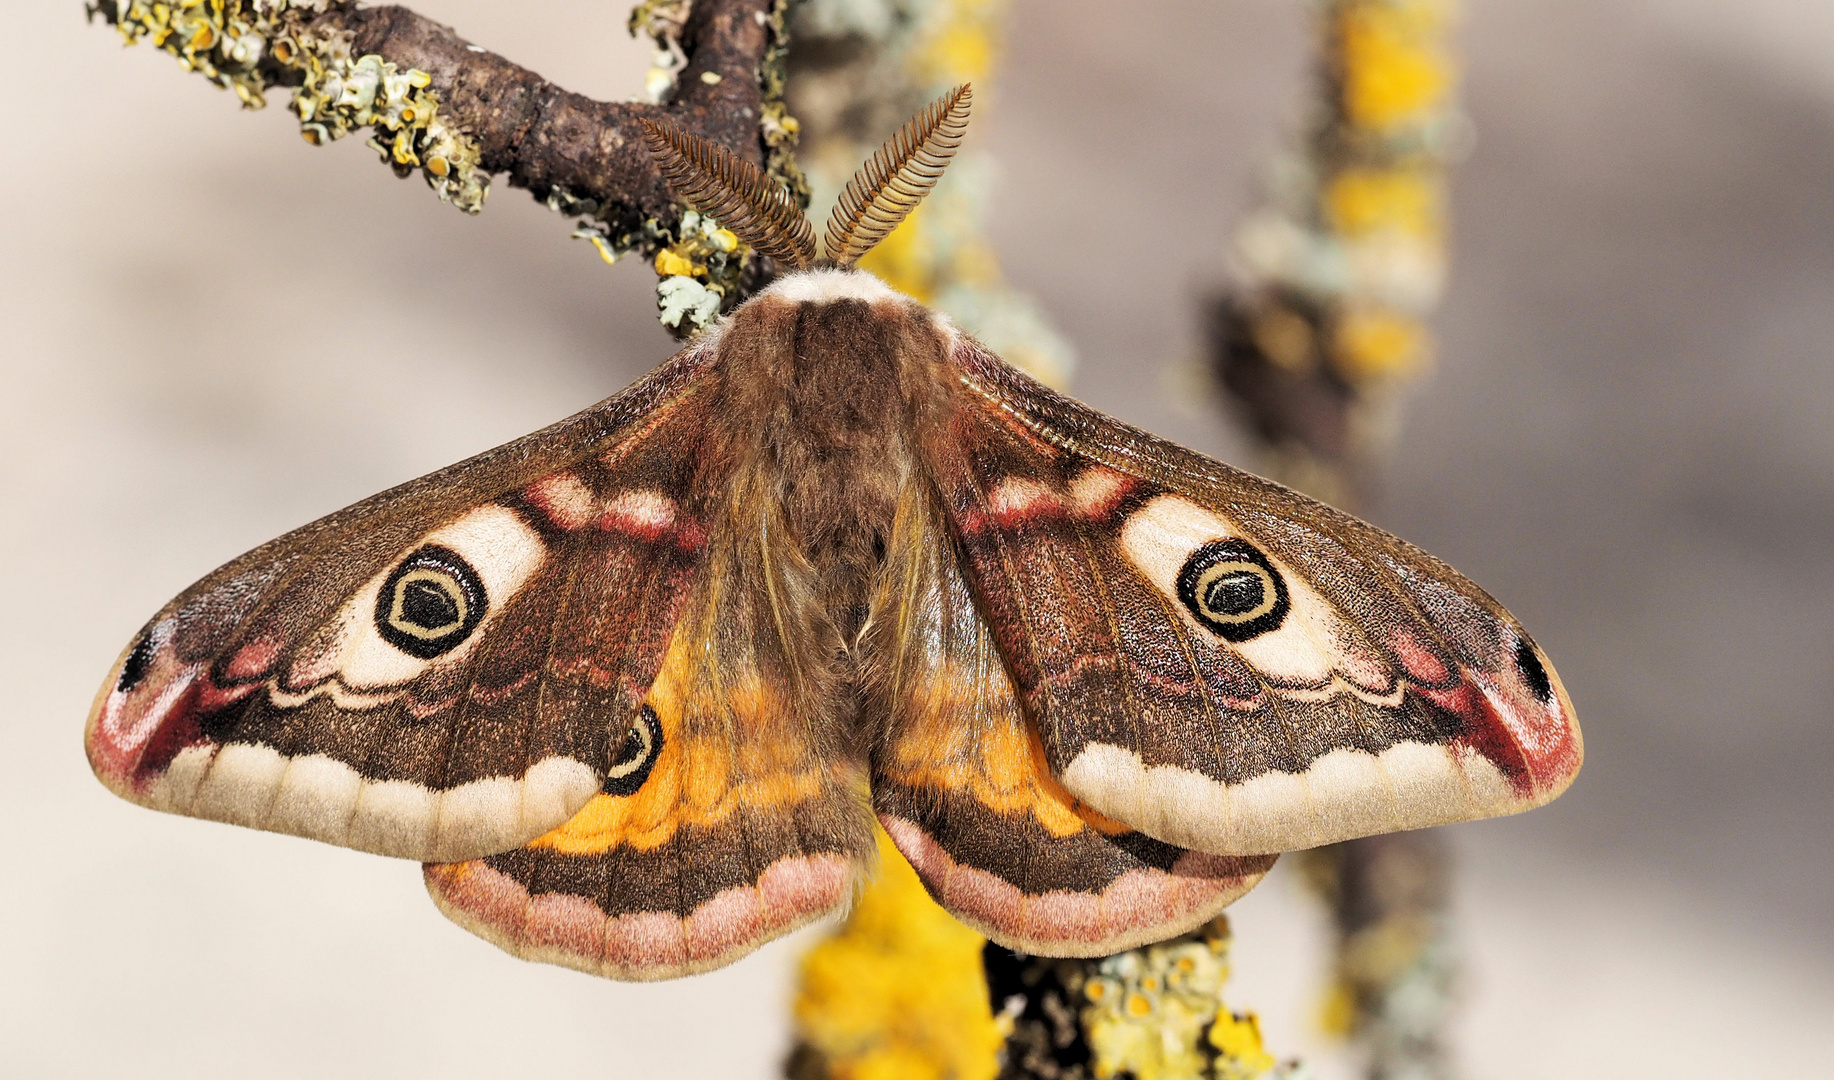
1232	589
637	754
431	602
1533	672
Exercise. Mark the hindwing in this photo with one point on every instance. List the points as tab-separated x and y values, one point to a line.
960	783
730	816
733	810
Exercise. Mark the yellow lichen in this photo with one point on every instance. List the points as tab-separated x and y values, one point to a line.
962	41
698	265
1241	1053
1368	200
1158	1014
1373	344
1358	234
906	258
226	40
669	264
1337	1014
697	272
899	992
1396	68
222	40
662	21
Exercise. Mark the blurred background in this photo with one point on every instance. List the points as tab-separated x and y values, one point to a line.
208	331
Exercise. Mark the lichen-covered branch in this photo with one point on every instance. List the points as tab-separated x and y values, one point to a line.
1341	271
1153	1013
1344	265
858	72
461	113
542	136
1395	976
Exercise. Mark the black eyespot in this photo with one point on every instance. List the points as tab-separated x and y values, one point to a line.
431	603
1533	673
138	660
636	755
1231	588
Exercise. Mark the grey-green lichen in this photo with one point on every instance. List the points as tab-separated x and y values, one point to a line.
697	273
222	40
778	128
339	95
1158	1013
250	46
699	265
1152	1013
612	243
662	20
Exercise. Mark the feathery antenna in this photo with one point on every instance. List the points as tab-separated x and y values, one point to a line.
897	177
733	192
760	212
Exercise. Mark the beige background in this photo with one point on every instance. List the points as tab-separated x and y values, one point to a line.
210	333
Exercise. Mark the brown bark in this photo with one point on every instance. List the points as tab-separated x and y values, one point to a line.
543	136
1292	401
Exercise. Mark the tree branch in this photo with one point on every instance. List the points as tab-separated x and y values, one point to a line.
543	136
461	112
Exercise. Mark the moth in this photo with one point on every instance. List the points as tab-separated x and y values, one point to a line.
636	687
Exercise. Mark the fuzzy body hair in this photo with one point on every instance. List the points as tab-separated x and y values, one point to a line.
828	377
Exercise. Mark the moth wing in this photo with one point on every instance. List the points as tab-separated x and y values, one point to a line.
1220	662
734	811
435	672
960	782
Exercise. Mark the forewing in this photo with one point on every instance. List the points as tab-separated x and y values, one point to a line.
734	811
1221	662
436	672
961	785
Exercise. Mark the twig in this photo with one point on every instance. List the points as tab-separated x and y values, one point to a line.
1342	271
543	137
